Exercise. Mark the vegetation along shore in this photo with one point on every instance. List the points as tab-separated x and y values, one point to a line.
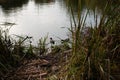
92	52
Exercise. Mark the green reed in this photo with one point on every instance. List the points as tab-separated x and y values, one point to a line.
12	51
42	45
89	52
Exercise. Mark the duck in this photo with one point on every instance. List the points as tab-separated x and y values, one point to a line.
52	41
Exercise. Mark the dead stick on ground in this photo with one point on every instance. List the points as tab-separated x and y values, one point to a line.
108	68
40	72
29	77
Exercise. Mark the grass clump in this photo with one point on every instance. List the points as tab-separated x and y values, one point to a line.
12	52
42	45
90	51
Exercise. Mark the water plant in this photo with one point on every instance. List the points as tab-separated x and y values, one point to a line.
42	45
12	52
90	51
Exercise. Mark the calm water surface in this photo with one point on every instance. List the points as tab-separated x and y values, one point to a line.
37	18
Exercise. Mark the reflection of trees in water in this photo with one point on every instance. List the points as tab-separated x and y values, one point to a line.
9	4
83	4
43	1
91	4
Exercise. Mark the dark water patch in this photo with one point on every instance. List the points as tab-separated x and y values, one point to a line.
12	4
42	2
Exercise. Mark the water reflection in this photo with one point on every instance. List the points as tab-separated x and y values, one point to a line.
12	4
39	17
81	5
96	9
92	5
42	2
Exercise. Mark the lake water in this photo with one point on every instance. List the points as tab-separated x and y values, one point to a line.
37	18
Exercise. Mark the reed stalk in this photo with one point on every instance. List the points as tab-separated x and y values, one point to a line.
89	52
